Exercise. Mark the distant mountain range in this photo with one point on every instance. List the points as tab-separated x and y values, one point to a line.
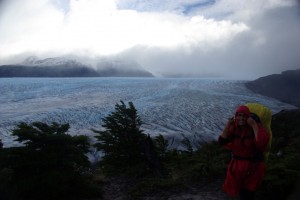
66	67
284	87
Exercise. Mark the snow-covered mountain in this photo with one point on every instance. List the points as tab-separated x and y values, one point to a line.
72	67
197	108
56	61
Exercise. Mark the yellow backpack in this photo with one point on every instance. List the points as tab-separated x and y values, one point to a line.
265	116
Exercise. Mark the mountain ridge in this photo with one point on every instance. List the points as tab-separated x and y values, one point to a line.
284	87
68	67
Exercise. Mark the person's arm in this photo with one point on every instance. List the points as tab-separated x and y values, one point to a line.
261	135
225	135
252	123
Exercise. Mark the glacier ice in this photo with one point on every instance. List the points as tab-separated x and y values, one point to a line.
197	108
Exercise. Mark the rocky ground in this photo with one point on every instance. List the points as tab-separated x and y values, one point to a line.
209	189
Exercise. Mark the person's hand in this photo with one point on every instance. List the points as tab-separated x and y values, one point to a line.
251	122
254	126
229	123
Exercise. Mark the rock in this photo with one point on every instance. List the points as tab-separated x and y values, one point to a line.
286	124
284	87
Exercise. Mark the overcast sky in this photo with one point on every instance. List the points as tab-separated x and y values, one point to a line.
241	39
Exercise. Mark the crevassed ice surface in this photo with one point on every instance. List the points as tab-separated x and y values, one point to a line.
196	108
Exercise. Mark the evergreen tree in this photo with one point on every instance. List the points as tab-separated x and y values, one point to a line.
55	149
161	145
50	165
122	140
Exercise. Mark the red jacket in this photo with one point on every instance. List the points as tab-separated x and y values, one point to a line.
247	167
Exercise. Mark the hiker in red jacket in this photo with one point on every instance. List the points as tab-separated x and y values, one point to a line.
247	139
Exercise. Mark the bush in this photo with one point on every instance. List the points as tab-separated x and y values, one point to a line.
50	165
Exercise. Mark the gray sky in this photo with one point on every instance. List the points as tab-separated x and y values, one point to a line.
226	38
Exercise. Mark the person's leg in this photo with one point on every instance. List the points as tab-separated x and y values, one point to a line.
233	180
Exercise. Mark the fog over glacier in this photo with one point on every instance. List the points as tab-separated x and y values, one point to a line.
197	108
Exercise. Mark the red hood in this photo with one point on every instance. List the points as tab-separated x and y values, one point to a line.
242	109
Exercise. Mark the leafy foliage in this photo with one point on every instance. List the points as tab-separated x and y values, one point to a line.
161	145
122	140
49	165
52	164
207	160
184	167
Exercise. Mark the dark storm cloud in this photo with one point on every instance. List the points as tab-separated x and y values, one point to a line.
225	38
271	45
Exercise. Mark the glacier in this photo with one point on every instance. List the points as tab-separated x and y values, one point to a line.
195	107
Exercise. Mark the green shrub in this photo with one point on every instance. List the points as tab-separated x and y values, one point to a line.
50	165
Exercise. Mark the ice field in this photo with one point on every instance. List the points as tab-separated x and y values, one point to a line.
197	108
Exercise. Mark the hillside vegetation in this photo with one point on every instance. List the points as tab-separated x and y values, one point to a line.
52	164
